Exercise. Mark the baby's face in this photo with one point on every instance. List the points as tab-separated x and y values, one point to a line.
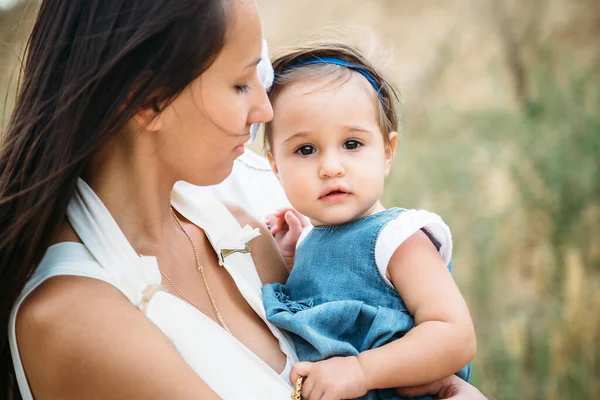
328	150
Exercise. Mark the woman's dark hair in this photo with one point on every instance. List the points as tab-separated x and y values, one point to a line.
89	66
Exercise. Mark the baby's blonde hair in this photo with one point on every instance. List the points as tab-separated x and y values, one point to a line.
340	47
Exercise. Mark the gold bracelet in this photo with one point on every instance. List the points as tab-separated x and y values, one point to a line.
297	395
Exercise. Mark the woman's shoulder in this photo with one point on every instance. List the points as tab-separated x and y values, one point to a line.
54	305
67	277
91	336
66	255
66	259
44	309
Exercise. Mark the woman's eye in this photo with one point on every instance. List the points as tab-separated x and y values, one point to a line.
352	144
305	150
242	88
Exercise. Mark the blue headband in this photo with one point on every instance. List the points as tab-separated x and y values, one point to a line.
336	61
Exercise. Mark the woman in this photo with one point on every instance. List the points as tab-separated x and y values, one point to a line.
132	96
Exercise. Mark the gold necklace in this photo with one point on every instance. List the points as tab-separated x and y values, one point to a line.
201	270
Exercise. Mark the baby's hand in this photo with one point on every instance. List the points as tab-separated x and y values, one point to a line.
333	379
286	226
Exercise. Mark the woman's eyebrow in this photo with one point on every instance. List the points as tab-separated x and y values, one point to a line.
253	63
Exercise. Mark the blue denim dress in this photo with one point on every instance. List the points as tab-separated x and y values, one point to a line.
335	302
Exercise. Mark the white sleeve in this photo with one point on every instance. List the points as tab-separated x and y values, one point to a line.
409	222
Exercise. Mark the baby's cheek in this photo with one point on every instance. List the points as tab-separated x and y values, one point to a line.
300	195
293	188
372	183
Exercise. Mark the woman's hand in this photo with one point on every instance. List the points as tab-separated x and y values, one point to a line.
333	379
449	388
286	226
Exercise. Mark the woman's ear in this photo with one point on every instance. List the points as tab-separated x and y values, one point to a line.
273	163
390	151
149	118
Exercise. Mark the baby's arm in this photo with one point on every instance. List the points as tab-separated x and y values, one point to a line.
443	339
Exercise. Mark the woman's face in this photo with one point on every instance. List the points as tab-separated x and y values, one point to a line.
204	130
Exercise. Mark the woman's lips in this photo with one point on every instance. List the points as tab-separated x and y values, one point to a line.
240	148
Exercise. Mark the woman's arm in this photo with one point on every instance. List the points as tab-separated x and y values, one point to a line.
267	258
443	340
449	388
80	338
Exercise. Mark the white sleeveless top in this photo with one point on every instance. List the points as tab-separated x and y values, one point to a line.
225	364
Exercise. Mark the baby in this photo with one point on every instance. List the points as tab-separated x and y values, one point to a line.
370	302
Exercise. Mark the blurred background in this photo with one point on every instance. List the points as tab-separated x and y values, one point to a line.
501	136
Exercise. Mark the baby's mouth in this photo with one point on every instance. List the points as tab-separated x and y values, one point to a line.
334	194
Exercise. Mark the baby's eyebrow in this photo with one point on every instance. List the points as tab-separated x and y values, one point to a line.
352	128
297	135
347	128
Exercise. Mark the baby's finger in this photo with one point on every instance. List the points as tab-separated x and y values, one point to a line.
281	211
302	218
274	228
294	225
276	224
300	369
316	393
307	388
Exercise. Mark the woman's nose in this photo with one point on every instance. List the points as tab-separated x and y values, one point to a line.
262	111
331	166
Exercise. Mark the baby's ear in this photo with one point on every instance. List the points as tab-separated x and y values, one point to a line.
273	163
390	151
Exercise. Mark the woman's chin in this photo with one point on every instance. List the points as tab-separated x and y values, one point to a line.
210	178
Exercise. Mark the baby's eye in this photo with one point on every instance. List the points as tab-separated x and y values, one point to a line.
352	144
305	150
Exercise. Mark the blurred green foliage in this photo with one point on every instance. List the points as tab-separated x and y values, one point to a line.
521	193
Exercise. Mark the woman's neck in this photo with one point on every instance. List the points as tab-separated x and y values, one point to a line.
136	189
